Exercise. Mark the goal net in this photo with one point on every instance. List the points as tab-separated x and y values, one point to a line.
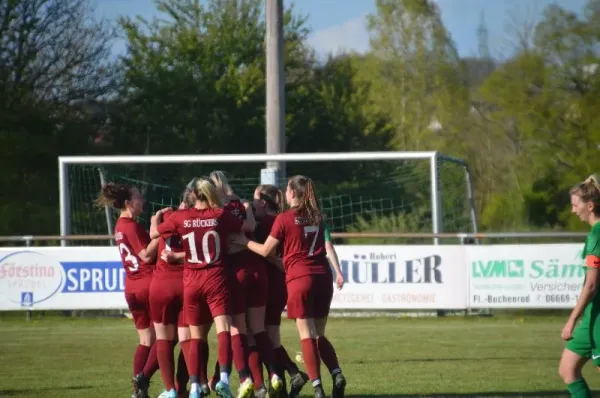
358	192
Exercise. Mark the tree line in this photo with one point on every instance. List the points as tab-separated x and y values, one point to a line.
192	80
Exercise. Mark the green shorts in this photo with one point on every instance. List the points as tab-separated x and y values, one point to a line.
586	339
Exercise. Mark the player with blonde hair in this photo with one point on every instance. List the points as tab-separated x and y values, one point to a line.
583	340
204	230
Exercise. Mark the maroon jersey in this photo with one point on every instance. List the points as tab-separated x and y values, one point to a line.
131	239
236	208
303	245
263	229
204	234
172	243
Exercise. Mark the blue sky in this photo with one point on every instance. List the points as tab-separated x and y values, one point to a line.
341	24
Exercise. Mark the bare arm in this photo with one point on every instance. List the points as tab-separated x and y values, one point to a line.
148	255
154	221
332	254
265	249
250	222
172	257
589	290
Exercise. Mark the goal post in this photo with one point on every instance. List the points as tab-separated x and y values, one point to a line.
448	188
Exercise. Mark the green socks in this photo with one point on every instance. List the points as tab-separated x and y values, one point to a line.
579	389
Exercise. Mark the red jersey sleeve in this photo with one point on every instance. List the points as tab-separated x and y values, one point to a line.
168	226
592	261
278	228
231	223
138	238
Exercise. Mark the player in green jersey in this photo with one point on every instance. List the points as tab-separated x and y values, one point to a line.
583	339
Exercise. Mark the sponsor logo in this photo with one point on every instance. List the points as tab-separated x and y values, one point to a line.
385	267
29	277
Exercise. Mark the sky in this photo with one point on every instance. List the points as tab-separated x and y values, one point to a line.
340	25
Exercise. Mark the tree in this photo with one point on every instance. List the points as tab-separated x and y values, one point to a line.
416	70
54	51
541	105
52	55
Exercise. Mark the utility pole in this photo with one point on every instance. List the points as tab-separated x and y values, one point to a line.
275	117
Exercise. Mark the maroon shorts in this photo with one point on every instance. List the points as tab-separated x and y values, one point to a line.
137	295
248	281
309	296
166	299
205	295
277	296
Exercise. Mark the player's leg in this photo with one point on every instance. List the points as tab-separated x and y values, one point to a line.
277	298
323	297
300	306
239	347
576	353
569	369
256	367
182	375
204	330
164	309
151	365
256	293
239	332
217	297
297	378
136	296
192	299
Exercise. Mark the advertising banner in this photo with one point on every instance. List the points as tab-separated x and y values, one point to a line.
378	277
525	276
402	277
58	278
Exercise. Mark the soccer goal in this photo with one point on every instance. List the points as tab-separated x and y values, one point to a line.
358	192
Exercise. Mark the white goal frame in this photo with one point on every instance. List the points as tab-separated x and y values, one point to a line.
434	157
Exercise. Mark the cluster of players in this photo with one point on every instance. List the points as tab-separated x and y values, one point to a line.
237	264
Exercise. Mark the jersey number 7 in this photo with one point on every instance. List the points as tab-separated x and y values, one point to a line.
311	229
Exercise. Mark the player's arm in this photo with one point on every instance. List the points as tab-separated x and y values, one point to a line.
333	258
173	257
158	228
270	244
250	222
142	245
265	249
330	250
148	255
590	287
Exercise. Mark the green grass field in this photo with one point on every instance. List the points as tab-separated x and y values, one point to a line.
381	357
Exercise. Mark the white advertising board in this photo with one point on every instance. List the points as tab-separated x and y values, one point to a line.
377	277
525	276
58	278
402	277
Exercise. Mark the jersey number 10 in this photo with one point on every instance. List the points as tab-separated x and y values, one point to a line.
191	238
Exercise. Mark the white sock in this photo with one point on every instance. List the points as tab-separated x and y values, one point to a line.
225	377
194	387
